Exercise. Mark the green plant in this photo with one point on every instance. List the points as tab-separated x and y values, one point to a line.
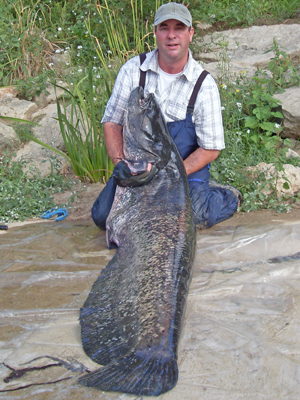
123	43
253	124
82	133
23	43
284	72
26	194
20	128
230	13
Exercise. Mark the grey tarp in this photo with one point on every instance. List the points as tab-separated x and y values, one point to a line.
241	336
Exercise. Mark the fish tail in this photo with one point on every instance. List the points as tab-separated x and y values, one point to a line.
140	373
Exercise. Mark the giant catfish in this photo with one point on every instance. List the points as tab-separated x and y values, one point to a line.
131	320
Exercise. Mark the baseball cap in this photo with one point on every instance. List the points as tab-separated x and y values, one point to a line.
173	11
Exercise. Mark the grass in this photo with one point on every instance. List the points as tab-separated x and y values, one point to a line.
104	37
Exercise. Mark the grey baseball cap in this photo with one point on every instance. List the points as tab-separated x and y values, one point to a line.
173	11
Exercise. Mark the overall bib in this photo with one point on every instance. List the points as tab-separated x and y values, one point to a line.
210	204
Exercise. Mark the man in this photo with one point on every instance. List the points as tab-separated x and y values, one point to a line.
194	121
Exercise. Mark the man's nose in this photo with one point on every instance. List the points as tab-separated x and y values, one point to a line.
171	33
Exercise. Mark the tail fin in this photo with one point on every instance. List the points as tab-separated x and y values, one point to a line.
141	374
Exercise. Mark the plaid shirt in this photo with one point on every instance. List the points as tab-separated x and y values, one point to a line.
207	115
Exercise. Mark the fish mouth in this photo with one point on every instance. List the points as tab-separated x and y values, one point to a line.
145	102
137	167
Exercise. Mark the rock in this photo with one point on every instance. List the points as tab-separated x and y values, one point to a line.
60	60
291	153
290	100
221	74
44	99
15	108
48	131
203	26
8	138
7	91
291	175
246	49
38	157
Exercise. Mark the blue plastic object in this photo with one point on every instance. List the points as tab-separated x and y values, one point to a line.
60	212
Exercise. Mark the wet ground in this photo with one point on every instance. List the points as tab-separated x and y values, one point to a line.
241	336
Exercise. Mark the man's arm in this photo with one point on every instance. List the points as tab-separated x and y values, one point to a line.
198	159
114	141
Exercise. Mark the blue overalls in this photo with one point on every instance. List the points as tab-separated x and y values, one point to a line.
210	204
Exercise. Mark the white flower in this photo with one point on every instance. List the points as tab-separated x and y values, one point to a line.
277	126
98	76
80	70
59	29
79	47
222	108
50	64
213	16
248	131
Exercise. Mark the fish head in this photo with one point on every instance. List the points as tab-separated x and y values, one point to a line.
145	135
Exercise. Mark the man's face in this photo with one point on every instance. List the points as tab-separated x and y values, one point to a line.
173	39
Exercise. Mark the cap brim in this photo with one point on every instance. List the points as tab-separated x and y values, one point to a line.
163	19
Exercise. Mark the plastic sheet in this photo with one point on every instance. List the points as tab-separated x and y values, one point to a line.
240	338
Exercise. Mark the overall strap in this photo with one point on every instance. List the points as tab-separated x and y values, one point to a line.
142	73
190	107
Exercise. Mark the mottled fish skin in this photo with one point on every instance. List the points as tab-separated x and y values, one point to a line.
132	319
